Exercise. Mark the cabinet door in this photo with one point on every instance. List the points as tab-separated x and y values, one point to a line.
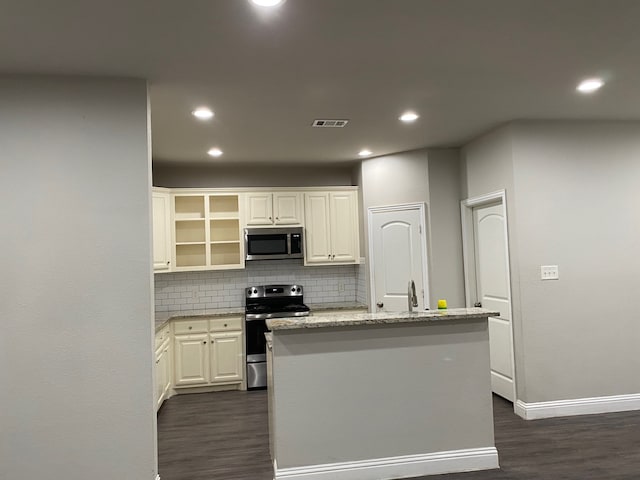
317	228
161	231
259	209
166	372
226	357
191	360
159	377
344	227
287	208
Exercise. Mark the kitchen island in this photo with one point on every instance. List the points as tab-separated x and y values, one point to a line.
380	396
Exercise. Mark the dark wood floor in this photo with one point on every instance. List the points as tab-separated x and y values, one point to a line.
223	436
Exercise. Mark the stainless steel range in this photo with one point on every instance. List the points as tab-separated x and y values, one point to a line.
267	301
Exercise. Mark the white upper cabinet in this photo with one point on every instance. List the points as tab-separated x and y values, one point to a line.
259	209
332	232
161	230
317	232
287	208
207	231
345	242
202	229
273	208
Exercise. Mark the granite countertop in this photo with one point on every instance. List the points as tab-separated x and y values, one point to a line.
321	307
162	318
356	319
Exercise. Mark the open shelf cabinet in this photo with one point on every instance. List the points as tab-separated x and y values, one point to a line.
207	232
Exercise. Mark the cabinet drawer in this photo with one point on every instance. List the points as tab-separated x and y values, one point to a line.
195	326
226	324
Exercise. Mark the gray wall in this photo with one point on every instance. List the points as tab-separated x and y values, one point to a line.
486	166
76	365
359	393
430	176
218	176
445	230
576	196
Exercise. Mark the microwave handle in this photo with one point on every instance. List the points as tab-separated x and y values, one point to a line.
288	244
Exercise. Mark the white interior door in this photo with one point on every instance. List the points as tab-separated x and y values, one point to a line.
398	255
493	293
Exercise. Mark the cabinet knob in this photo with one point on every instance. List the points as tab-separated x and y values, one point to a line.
225	324
190	328
379	304
269	218
168	263
332	257
329	256
277	218
205	342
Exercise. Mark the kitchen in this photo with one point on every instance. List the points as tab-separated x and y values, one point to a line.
78	288
207	347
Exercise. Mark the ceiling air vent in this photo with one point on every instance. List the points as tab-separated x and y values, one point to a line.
329	123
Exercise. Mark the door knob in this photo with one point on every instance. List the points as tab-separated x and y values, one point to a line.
379	304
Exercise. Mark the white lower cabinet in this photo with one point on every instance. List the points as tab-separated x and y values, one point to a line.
192	360
163	374
212	358
226	357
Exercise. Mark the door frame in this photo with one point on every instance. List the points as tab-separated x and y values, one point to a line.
469	259
422	209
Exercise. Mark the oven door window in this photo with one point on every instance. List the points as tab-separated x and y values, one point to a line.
256	343
275	244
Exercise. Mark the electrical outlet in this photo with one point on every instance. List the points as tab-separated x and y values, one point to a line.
549	272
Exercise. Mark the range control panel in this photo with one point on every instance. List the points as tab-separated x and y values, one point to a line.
266	291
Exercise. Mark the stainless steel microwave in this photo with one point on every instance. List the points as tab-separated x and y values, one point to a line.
273	243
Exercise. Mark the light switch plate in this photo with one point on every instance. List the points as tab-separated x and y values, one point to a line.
549	272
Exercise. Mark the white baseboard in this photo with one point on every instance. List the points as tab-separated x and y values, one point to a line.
579	406
397	467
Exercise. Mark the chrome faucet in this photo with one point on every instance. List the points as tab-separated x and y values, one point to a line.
412	299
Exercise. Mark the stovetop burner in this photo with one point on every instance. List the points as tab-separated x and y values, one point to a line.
270	301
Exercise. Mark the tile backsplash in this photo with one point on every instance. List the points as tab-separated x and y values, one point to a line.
197	291
361	283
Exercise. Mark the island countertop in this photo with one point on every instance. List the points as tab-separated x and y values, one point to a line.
356	319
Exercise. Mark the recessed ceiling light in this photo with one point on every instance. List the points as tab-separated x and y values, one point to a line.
267	3
590	85
215	152
365	153
409	117
202	113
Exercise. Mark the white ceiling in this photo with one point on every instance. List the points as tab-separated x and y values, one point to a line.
464	65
